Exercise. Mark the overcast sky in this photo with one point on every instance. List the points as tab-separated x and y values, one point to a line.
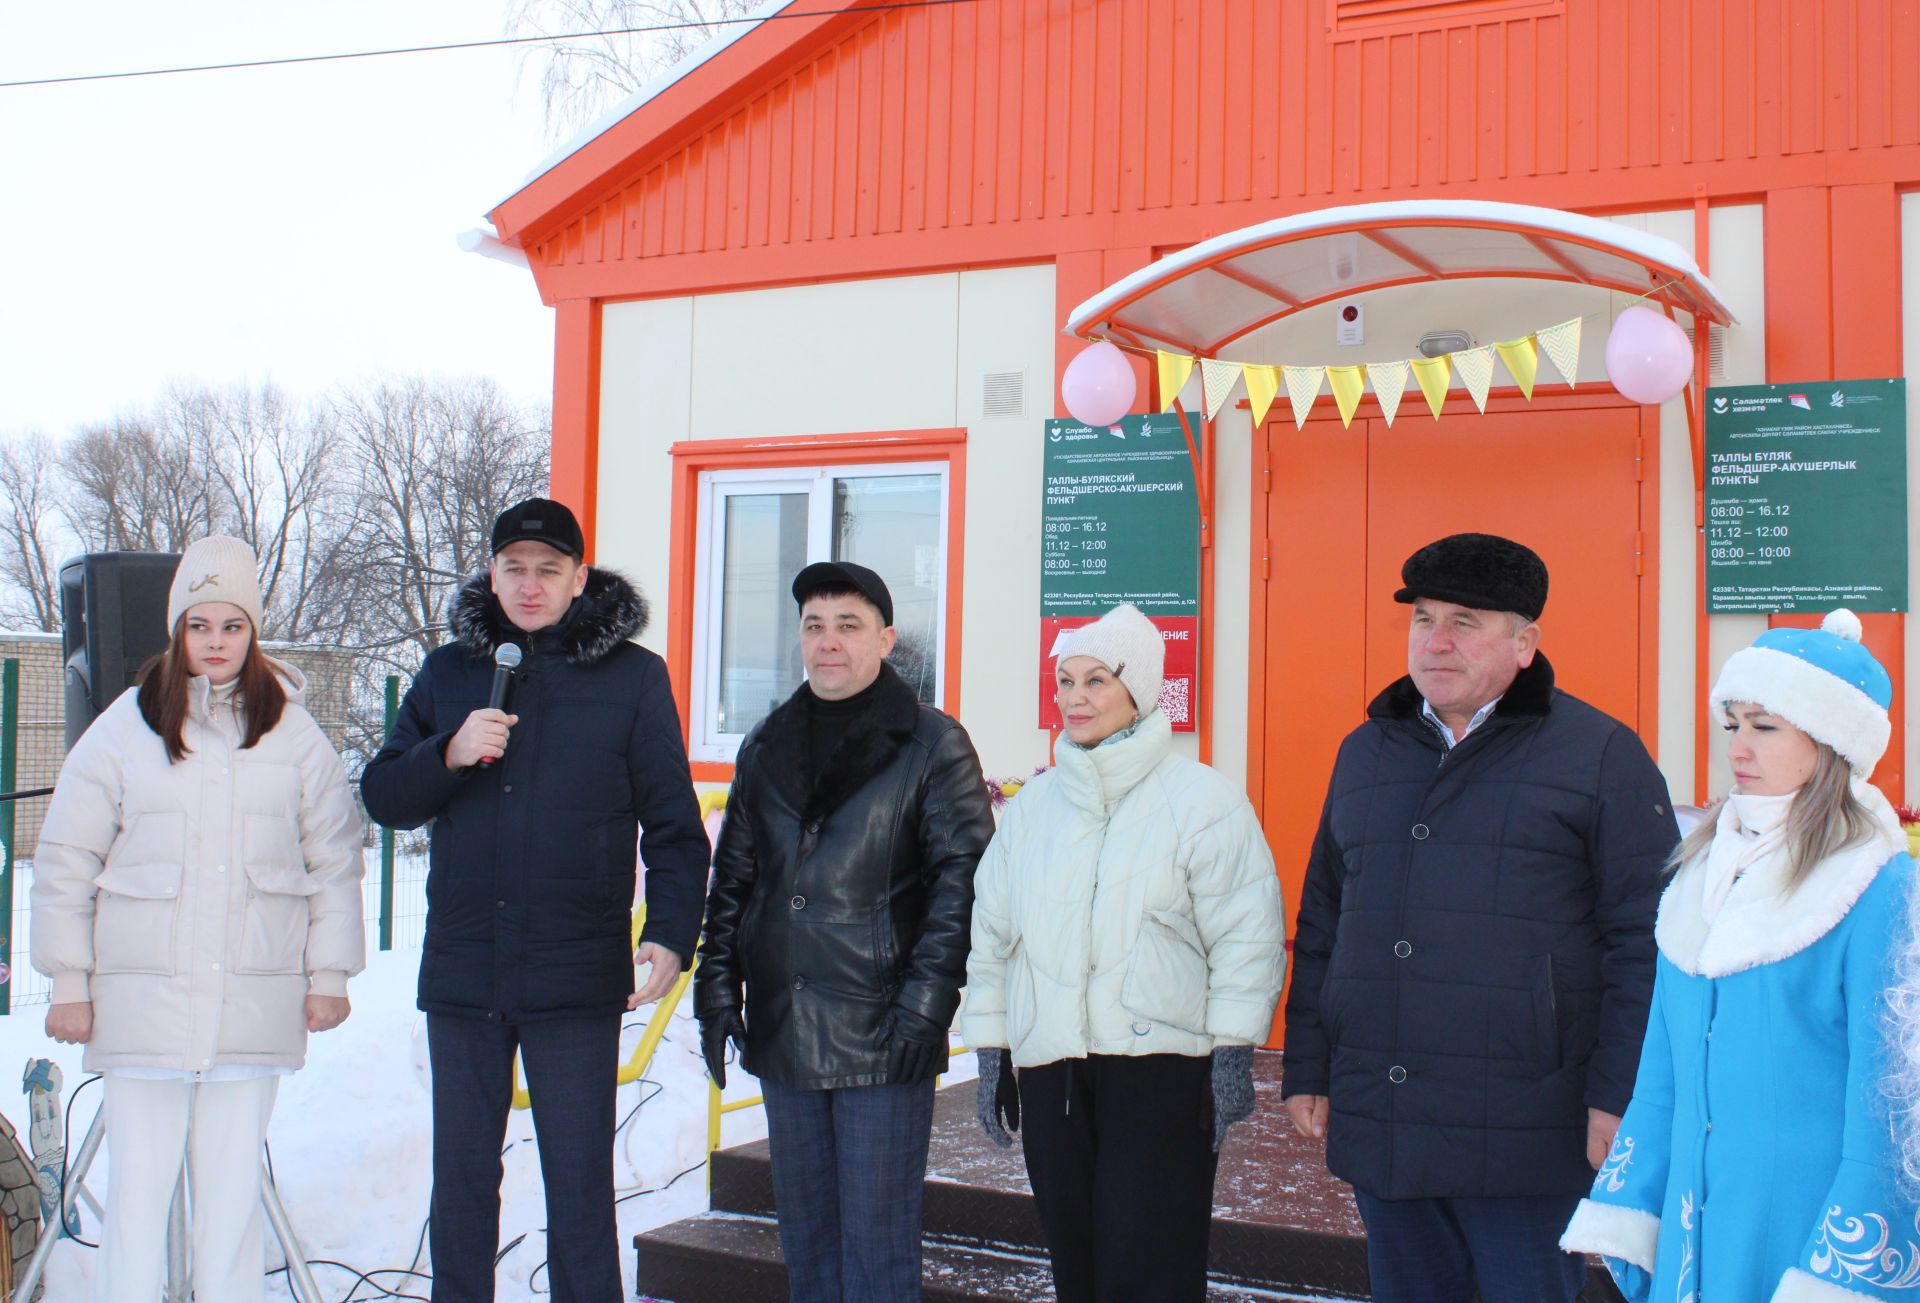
294	224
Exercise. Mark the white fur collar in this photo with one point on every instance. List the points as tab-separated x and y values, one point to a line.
1761	923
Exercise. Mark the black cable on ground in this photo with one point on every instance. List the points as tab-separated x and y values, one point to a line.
66	1149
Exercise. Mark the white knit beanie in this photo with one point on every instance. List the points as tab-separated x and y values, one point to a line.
1127	643
217	568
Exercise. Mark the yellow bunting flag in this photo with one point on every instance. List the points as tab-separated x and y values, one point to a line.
1217	380
1174	370
1389	381
1348	383
1475	366
1562	345
1522	361
1263	382
1431	372
1303	386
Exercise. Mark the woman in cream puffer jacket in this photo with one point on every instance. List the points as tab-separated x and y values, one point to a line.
1128	952
196	903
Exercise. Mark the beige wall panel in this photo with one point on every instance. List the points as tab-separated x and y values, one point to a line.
646	352
1910	367
839	358
1005	324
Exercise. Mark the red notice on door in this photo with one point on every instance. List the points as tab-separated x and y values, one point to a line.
1177	692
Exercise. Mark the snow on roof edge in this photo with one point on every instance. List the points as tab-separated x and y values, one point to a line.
653	89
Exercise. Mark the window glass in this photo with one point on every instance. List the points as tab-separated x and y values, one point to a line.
891	525
760	528
765	546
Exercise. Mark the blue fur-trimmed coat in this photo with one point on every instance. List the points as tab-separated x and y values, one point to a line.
1755	1161
531	875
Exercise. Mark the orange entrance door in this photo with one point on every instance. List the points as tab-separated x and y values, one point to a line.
1566	475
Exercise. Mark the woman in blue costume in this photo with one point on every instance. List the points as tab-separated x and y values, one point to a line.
1756	1161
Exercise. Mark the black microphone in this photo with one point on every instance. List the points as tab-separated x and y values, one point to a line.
505	657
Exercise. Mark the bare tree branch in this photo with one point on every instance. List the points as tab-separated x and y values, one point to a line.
581	79
29	524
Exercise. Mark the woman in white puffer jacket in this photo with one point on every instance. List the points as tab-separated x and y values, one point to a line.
1128	952
196	903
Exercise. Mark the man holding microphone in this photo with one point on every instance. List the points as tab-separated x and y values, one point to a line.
536	804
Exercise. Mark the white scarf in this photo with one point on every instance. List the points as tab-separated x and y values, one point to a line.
1749	828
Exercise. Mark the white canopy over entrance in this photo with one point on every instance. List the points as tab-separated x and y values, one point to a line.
1205	297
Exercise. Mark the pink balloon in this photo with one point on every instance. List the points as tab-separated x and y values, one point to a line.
1648	356
1099	385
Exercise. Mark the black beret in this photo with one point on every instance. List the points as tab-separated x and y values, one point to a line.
1483	571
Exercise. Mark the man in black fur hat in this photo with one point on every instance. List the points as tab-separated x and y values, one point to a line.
536	809
843	883
1474	955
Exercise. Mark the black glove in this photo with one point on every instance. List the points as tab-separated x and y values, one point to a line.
716	1029
915	1045
1232	1080
997	1103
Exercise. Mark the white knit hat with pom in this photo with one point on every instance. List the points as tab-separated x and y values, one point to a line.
1126	642
1821	681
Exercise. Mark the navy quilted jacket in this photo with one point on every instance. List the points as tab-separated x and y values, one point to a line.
1473	957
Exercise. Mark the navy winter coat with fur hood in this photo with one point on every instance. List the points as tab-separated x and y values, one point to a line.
1474	954
531	878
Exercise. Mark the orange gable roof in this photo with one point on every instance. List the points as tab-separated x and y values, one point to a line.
855	140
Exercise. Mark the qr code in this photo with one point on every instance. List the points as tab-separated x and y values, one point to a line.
1176	697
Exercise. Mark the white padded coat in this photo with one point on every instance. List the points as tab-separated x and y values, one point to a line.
1127	905
197	904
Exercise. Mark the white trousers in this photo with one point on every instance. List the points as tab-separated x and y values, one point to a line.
218	1129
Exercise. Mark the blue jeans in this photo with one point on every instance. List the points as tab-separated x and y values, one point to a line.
1443	1250
570	1065
848	1166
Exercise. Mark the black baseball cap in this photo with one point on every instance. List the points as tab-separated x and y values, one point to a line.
844	577
541	520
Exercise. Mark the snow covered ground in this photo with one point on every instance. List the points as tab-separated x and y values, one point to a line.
350	1141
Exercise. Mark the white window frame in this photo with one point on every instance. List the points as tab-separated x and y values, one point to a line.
705	743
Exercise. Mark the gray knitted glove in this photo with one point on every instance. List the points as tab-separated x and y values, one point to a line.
997	1105
1232	1088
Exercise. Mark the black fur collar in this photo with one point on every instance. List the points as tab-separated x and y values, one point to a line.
609	611
872	739
1531	694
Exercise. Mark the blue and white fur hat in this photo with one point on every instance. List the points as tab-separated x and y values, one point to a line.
1821	681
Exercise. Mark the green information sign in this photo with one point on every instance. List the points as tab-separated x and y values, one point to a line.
1119	518
1120	522
1806	497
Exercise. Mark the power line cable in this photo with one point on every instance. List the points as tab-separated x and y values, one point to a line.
468	45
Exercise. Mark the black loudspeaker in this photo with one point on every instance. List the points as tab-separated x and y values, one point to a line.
113	616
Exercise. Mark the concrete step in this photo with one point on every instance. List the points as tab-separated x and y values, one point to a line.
1283	1227
728	1258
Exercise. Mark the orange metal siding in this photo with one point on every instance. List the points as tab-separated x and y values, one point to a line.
1005	130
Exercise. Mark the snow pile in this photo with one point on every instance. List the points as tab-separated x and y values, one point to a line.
351	1145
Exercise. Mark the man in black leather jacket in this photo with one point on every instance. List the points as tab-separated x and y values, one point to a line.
840	907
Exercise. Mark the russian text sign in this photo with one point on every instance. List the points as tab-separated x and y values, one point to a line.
1806	497
1120	522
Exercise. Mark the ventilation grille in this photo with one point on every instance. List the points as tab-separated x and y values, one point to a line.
1716	351
1378	17
1003	394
